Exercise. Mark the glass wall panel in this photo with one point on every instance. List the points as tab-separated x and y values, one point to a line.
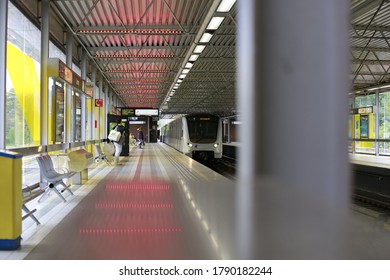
364	125
22	81
384	122
77	106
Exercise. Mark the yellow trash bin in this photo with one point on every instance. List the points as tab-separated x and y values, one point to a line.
10	200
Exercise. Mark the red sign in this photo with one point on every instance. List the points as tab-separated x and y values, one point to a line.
98	102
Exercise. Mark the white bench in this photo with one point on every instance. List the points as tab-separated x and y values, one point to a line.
79	161
28	194
100	155
53	177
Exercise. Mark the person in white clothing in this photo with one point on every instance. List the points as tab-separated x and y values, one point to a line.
118	144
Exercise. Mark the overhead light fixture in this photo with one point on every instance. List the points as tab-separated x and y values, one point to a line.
206	37
182	76
215	22
193	57
135	70
225	6
134	56
138	81
131	31
189	65
185	71
199	48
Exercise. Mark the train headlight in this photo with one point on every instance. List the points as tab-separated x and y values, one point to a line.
189	145
216	145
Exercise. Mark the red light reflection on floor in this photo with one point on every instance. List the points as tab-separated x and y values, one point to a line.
137	187
105	205
134	220
128	230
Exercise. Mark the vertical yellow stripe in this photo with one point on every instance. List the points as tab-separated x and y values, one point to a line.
24	77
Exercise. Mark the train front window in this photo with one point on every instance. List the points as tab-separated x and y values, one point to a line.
202	129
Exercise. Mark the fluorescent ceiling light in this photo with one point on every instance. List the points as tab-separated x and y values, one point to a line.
215	22
182	76
199	48
225	6
206	37
188	65
193	57
185	71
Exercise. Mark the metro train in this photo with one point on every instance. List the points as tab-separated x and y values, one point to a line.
198	136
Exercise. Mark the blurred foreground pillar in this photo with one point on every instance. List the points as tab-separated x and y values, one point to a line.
294	178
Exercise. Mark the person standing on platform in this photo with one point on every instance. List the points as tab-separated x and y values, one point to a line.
118	144
140	138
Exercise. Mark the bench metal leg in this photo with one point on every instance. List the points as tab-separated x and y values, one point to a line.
30	214
106	160
66	188
46	193
59	194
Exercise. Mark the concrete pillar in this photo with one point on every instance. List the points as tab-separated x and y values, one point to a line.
293	178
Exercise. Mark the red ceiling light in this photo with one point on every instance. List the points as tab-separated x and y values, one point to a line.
134	56
138	87
123	82
135	71
130	31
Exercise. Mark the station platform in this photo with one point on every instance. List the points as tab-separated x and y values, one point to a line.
147	207
159	204
370	160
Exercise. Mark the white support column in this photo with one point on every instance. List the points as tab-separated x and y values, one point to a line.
44	102
69	110
3	67
376	115
93	80
83	99
293	178
100	109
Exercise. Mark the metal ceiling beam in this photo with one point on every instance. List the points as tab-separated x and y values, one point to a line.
373	49
144	27
124	48
370	61
371	28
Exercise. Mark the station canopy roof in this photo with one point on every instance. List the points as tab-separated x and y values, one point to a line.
143	47
165	53
370	44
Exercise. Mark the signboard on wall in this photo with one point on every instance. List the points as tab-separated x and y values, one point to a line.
98	102
89	87
127	112
77	82
146	112
57	69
